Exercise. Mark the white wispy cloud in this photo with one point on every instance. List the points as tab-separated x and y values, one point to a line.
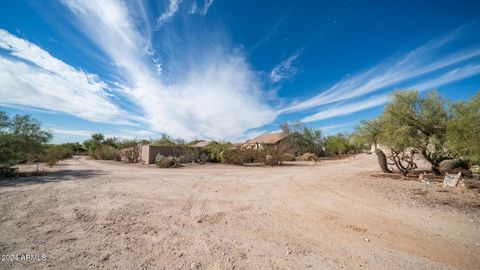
202	11
285	69
122	133
375	101
389	74
346	109
270	33
169	13
30	76
332	129
219	96
74	132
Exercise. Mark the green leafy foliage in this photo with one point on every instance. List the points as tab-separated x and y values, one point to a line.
302	139
463	130
214	150
288	157
368	133
107	152
337	144
55	153
241	157
168	162
166	140
410	121
21	139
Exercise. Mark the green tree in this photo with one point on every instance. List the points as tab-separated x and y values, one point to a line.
368	132
410	121
302	139
336	144
463	130
21	139
166	140
94	143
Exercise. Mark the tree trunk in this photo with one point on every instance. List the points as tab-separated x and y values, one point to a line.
382	161
436	169
435	163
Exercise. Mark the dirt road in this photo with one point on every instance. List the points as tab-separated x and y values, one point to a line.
331	215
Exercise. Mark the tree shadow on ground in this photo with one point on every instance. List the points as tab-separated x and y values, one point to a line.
49	177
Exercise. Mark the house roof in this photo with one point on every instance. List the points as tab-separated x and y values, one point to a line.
201	144
268	138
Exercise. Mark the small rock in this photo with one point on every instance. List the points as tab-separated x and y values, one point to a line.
104	258
366	240
196	265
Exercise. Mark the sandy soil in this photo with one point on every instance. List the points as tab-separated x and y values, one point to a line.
331	215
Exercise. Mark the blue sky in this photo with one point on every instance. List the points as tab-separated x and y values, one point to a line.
217	69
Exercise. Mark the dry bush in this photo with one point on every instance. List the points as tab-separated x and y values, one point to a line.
55	153
167	162
239	157
308	157
183	159
131	154
106	152
288	157
273	159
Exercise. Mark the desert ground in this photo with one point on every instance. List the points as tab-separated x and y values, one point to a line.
334	214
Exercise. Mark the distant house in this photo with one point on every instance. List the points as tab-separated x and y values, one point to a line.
269	141
235	146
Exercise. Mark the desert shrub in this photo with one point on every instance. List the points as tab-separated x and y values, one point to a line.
7	172
233	157
273	158
239	157
159	157
166	140
55	153
214	150
168	162
131	154
337	144
308	157
300	138
203	157
186	158
21	139
288	157
107	152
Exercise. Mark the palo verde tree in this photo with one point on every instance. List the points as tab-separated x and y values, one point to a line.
463	130
411	122
369	132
